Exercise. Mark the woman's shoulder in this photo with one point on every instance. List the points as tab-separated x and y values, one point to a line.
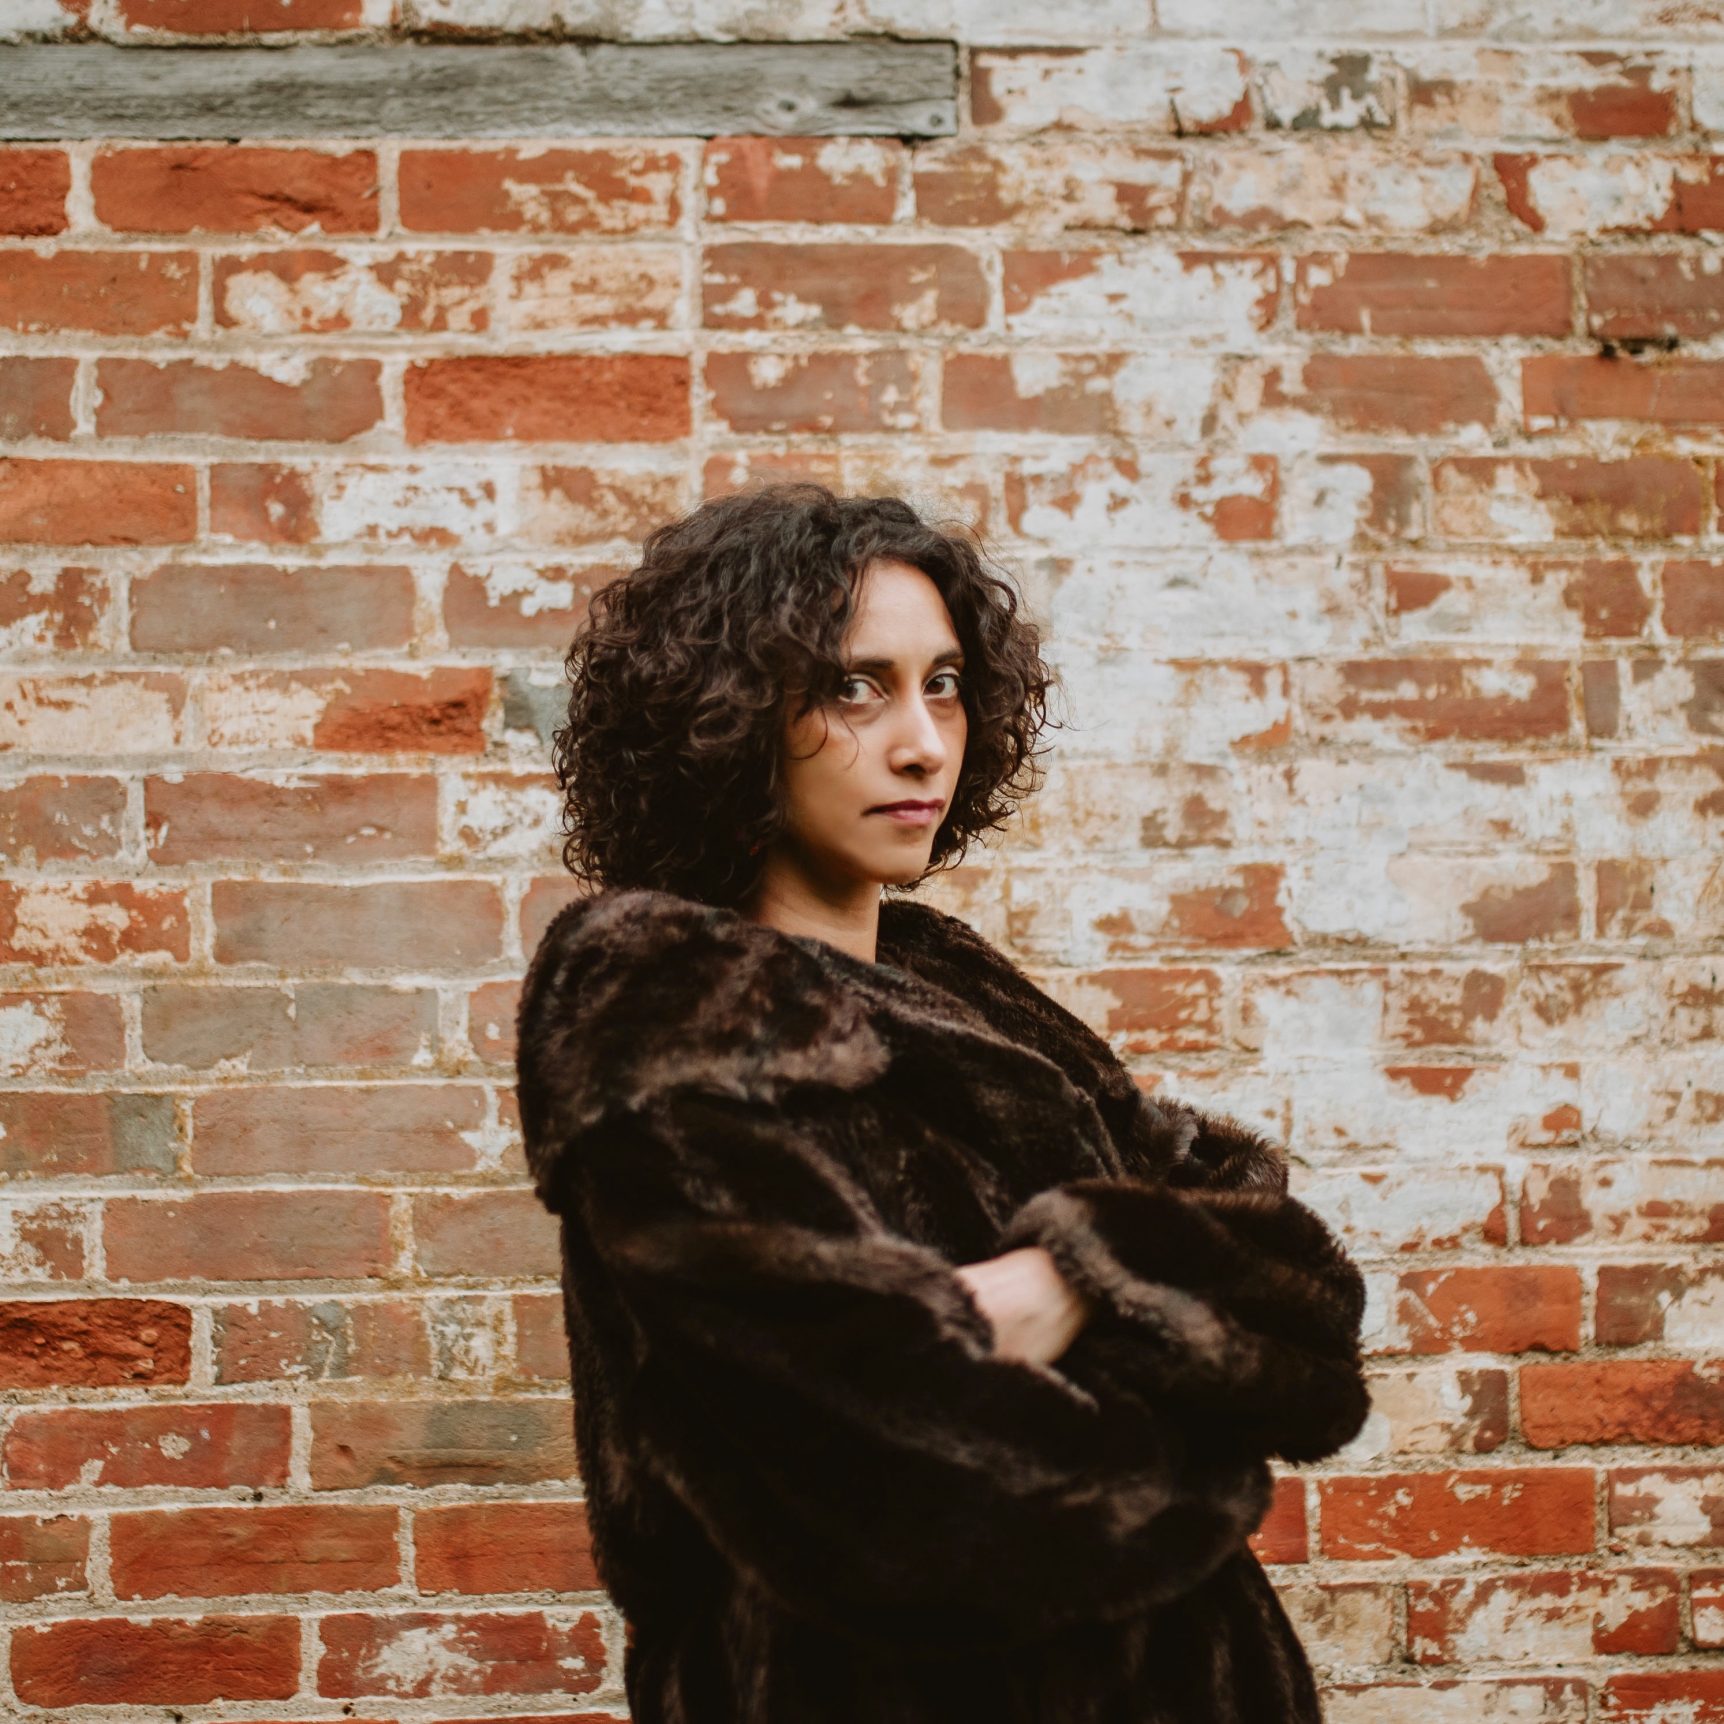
633	992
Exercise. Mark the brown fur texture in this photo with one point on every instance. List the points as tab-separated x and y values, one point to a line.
816	1493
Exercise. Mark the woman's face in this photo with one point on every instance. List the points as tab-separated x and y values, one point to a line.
895	733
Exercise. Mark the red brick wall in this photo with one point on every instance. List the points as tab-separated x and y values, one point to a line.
1353	411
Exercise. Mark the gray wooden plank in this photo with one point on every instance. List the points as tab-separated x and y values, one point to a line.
479	90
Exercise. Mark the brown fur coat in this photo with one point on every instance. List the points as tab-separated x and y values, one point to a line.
815	1492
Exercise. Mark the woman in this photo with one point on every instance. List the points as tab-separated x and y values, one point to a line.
926	1370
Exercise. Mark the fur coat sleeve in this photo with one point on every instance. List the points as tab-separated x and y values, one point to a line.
769	1156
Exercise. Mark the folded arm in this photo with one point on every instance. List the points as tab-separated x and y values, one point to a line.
1213	1293
825	1397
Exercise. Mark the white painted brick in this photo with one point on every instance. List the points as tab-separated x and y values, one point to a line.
1157	87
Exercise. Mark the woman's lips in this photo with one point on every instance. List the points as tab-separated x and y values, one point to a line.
910	814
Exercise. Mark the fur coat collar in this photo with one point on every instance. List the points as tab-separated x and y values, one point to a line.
815	1492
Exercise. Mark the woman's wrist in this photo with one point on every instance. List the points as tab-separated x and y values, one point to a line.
1035	1312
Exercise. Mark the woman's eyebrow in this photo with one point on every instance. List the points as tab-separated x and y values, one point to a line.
945	657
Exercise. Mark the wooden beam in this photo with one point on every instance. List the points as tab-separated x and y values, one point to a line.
477	90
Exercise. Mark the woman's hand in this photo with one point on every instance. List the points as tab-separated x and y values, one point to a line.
1035	1311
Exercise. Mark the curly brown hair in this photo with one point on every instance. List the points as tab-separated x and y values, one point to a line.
681	670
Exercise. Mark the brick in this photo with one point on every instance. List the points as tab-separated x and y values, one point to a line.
1256	19
96	503
1143	500
1176	905
1411	1208
65	1032
36	397
504	1547
1090	295
1655	701
259	503
601	190
360	711
1281	1536
310	1026
1324	90
1531	500
93	1343
1383	395
185	1445
234	188
1560	388
1433	1410
1438	700
1474	91
1648	1201
570	398
1155	87
446	1442
1693	592
828	180
482	1652
33	188
1074	393
413	924
1262	187
461	1235
1657	294
278	1547
1043	187
1512	1700
100	292
1426	1008
541	1339
308	817
43	1556
76	922
331	293
1549	1618
814	392
102	712
1494	1310
51	611
1622	1401
327	400
1165	806
329	1128
324	1340
765	285
240	17
1573	197
1680	1506
1652	1696
1673	1303
297	1235
160	1661
1505	1511
501	602
1342	1622
61	817
579	503
1392	293
1518	599
87	1135
42	1243
505	816
1164	1009
1706	1592
605	285
257	609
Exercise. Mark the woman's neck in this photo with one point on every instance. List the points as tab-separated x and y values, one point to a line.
792	905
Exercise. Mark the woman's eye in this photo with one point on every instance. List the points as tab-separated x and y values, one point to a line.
851	682
952	680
